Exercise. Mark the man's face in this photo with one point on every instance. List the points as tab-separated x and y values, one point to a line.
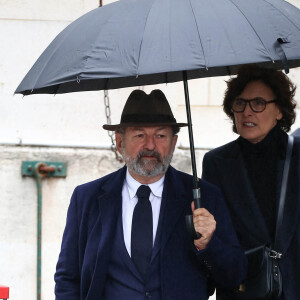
147	151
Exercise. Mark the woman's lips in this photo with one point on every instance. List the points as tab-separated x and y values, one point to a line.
249	124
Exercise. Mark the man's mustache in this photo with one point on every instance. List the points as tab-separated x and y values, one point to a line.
149	153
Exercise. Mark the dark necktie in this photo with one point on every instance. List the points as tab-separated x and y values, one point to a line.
142	231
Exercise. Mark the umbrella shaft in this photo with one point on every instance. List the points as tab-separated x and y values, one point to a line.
190	128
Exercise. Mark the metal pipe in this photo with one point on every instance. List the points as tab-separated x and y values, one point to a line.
39	238
38	177
40	170
29	143
17	143
203	148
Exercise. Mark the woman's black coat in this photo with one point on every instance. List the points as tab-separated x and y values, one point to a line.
224	167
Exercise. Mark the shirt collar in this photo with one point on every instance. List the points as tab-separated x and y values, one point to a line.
132	184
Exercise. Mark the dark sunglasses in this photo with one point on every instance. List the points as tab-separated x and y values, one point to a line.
257	104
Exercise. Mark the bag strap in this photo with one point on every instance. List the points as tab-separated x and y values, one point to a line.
283	189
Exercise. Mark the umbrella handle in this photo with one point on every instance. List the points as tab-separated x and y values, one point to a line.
190	227
189	218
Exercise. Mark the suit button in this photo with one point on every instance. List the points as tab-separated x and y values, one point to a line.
148	295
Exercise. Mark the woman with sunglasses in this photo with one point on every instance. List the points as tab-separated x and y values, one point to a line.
260	103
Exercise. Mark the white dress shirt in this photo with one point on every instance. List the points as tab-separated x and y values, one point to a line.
129	200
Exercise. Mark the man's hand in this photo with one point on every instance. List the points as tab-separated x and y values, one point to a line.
204	223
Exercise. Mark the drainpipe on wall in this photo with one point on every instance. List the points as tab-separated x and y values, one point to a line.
40	170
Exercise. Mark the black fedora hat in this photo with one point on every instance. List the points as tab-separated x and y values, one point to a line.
146	110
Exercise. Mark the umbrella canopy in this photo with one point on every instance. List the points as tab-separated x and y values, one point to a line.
132	43
142	42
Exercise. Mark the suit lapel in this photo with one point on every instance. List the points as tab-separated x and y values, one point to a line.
174	204
110	205
241	199
122	251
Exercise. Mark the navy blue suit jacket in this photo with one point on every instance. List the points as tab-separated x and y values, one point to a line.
91	224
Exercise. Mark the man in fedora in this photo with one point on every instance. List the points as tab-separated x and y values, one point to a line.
125	236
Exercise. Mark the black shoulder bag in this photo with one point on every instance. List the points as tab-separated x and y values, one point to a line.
263	279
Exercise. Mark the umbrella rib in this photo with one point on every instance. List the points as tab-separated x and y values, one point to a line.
49	58
140	50
253	29
102	29
283	13
198	34
45	65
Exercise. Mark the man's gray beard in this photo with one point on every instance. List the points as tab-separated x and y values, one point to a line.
139	165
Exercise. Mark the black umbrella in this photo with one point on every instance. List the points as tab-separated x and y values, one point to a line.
134	43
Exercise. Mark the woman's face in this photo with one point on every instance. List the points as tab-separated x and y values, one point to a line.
254	126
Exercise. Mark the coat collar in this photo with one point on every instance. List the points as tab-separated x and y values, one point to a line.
110	204
241	199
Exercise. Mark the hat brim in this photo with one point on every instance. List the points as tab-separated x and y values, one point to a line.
124	125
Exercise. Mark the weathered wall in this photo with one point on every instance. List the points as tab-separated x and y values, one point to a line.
69	128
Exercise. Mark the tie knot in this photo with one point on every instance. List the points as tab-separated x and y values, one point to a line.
143	192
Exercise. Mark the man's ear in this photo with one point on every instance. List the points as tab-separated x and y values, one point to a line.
175	137
119	142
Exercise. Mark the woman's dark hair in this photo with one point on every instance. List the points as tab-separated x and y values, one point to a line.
280	84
